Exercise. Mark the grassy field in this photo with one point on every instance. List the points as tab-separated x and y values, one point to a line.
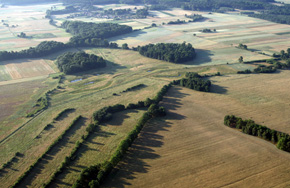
100	145
192	147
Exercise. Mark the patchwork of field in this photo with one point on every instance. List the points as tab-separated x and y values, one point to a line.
30	20
255	96
191	147
214	48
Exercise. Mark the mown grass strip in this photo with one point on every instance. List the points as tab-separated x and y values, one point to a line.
26	173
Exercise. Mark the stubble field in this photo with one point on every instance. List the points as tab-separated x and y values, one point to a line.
192	147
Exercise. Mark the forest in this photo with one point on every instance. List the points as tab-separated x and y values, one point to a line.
171	52
71	63
95	30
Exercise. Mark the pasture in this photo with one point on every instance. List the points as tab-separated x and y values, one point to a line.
192	147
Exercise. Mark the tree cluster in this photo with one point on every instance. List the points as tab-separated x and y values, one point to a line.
171	52
194	81
265	69
208	30
251	128
71	63
142	13
90	30
42	49
178	21
243	46
66	10
105	113
134	87
195	17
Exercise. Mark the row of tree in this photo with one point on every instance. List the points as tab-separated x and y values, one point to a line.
250	127
86	35
171	52
94	175
42	49
71	63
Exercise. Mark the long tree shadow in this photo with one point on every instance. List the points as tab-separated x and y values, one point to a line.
218	89
119	117
144	147
202	56
41	165
65	114
132	34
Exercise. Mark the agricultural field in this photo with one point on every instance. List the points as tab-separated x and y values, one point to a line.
30	20
192	147
218	47
187	133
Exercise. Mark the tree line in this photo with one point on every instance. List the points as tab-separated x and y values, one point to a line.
70	62
86	35
94	175
250	127
171	52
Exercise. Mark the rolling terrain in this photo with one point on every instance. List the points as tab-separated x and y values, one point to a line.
190	146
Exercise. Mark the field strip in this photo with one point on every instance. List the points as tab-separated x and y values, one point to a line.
99	146
22	80
52	159
15	131
38	145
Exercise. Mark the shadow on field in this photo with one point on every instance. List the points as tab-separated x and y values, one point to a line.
218	89
65	115
118	118
202	56
50	155
143	148
122	37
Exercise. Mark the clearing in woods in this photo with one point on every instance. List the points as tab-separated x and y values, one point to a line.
192	147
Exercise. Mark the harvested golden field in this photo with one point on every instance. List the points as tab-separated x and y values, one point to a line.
25	68
191	147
